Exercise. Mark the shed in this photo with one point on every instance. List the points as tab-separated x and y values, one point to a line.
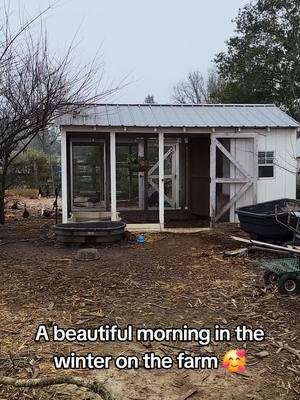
157	166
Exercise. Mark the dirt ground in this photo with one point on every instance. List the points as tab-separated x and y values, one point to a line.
169	281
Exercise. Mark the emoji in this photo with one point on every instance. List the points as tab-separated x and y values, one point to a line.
235	360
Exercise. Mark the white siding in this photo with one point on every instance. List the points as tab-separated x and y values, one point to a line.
283	184
283	143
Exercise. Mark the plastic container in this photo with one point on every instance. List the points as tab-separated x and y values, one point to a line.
98	232
140	239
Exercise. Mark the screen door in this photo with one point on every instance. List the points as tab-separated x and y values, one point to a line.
88	175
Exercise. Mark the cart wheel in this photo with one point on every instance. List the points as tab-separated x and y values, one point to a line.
288	284
270	277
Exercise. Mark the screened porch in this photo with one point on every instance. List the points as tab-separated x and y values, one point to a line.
148	179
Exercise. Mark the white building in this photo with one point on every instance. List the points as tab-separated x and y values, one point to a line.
160	165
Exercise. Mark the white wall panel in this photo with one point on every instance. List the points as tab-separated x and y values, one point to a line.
283	143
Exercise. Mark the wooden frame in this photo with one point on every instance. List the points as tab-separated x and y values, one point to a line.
161	180
174	150
247	180
64	180
113	178
86	142
141	184
213	202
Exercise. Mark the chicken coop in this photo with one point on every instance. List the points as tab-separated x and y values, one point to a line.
160	166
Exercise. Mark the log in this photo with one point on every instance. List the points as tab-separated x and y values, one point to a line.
93	386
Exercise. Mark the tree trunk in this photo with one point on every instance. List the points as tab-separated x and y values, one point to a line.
36	175
2	198
2	194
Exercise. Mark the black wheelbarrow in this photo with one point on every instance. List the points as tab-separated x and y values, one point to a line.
272	221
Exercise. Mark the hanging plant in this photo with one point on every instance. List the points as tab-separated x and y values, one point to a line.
136	164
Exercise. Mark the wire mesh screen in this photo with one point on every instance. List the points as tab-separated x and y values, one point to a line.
281	265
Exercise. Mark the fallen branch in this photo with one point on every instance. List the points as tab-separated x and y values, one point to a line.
18	241
93	386
285	346
158	305
189	394
237	252
292	350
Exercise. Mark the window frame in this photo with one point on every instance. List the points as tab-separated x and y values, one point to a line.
266	164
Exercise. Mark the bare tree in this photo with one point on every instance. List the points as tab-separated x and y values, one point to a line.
198	88
36	87
47	140
149	99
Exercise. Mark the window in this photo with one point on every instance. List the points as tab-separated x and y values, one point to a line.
266	164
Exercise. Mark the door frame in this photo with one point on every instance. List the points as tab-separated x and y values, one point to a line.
86	142
247	180
175	176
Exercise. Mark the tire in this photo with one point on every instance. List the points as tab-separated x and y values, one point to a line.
289	284
270	277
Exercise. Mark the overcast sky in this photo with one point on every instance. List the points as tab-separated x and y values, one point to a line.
153	43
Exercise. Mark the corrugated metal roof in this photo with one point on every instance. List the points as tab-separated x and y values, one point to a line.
189	116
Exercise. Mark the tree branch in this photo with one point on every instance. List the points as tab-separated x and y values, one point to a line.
93	386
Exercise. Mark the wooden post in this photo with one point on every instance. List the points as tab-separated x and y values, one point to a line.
107	174
232	188
113	185
141	177
213	202
161	185
182	173
146	175
64	181
187	173
255	168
